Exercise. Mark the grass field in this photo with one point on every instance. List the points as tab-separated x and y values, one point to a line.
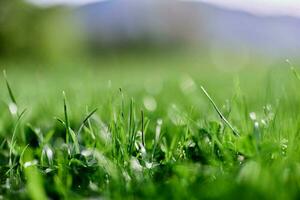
144	129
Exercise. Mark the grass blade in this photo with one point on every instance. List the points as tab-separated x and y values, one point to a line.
60	121
11	95
75	141
66	117
13	141
86	119
143	134
219	112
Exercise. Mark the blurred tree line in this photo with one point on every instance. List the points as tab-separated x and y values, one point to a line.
35	32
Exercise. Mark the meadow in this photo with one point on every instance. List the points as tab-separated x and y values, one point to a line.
149	127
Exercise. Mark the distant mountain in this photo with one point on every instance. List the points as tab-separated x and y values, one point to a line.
191	22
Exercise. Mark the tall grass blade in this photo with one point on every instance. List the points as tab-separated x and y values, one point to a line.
13	141
66	117
75	141
11	95
143	133
219	112
132	133
86	119
35	185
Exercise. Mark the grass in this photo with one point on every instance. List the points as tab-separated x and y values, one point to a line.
140	133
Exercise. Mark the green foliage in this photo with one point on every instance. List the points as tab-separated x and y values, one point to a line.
122	149
28	31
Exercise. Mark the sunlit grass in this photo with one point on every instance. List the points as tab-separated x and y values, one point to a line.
150	133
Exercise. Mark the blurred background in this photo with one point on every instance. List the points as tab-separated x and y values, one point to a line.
231	33
157	50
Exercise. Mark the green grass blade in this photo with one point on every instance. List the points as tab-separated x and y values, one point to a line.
86	119
143	133
75	141
34	183
219	112
66	117
22	155
60	121
11	95
13	141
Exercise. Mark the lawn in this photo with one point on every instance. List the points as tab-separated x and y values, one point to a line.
143	128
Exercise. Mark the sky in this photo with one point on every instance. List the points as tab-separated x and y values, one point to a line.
261	7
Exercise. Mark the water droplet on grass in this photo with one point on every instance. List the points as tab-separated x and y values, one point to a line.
13	108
